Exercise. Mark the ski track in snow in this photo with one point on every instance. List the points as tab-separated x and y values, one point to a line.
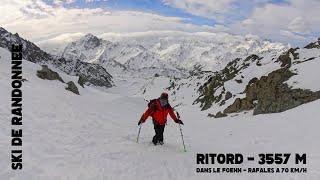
92	136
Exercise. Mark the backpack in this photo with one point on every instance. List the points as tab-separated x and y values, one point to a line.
151	102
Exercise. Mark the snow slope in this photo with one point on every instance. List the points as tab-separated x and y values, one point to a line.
92	136
307	72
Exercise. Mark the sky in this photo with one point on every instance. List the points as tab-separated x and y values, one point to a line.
288	21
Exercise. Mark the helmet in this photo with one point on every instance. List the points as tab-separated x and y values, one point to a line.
164	95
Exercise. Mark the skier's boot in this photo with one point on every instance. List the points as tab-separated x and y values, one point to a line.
155	140
160	142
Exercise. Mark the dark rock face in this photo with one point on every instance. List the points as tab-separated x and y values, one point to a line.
94	74
72	87
91	41
207	92
270	95
81	81
252	58
314	45
239	105
30	51
219	115
285	59
218	79
48	74
228	95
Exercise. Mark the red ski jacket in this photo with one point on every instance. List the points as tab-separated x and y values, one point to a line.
158	113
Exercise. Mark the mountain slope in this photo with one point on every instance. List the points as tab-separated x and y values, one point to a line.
116	57
176	54
270	83
92	74
92	136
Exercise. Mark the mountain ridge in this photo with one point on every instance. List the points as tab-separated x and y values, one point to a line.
264	84
176	54
234	87
93	74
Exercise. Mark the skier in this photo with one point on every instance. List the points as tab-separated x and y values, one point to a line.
158	109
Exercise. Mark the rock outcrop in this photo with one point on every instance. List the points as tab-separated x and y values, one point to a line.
285	58
72	87
219	115
217	80
82	81
259	84
314	45
270	94
48	74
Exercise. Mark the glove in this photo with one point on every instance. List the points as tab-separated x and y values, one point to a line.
179	122
140	121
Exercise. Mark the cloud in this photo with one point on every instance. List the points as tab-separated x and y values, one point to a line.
206	8
59	42
294	21
65	38
266	18
61	2
292	35
37	20
299	25
222	11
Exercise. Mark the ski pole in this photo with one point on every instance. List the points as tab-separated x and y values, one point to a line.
184	147
139	133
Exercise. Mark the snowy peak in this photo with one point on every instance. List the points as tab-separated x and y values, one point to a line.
174	52
87	49
116	56
313	45
31	52
93	74
90	41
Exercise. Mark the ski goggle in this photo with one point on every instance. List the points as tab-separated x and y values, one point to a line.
163	102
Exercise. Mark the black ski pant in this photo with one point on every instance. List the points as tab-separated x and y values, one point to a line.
158	129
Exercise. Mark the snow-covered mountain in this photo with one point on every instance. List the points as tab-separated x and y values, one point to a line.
176	54
265	83
92	74
93	136
251	75
221	73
